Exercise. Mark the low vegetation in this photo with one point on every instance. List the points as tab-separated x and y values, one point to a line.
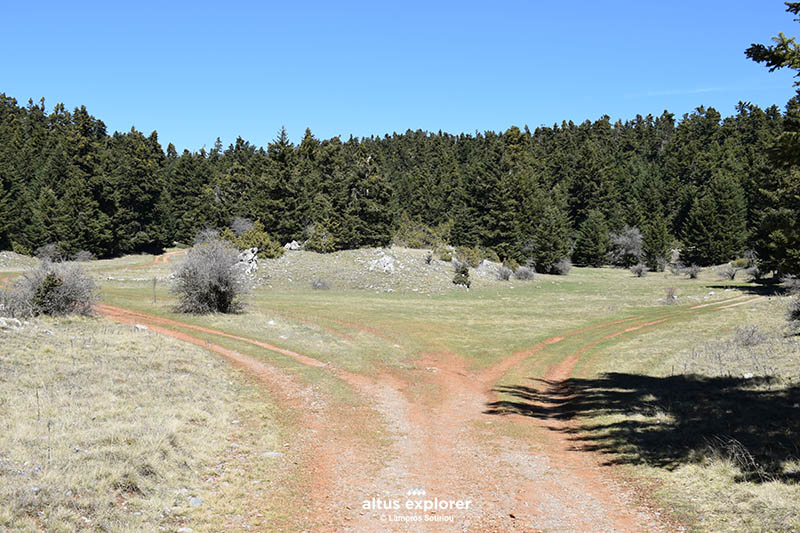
105	427
54	289
210	280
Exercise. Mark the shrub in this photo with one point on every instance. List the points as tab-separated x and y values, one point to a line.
320	239
240	225
428	258
749	336
49	252
83	256
491	255
791	284
413	234
661	264
210	279
671	296
741	263
228	235
626	246
753	273
206	235
503	273
639	270
676	268
525	273
445	254
692	271
256	237
560	268
727	271
471	256
462	274
20	249
320	284
52	289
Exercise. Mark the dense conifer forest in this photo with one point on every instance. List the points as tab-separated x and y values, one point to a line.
712	186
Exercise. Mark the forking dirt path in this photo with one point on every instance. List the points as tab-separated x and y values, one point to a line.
517	475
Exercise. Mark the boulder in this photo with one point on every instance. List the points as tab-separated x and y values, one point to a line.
385	263
292	246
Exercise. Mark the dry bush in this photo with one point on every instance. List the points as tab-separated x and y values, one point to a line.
240	225
692	271
661	264
670	296
210	280
503	273
206	235
49	252
639	270
524	273
83	256
728	271
55	289
791	284
320	284
676	268
750	335
626	246
561	267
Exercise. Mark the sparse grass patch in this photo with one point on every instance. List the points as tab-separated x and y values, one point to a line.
105	427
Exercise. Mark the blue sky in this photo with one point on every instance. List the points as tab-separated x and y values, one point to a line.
195	71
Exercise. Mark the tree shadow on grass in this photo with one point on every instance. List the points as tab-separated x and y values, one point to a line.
762	289
668	421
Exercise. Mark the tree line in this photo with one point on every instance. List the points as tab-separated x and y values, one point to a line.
710	185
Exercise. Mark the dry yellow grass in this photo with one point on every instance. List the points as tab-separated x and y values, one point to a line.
107	427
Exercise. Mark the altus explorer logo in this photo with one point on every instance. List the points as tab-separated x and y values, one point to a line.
415	501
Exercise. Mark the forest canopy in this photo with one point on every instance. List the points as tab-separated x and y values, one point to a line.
709	182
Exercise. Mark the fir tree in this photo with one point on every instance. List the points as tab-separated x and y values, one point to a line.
591	246
715	229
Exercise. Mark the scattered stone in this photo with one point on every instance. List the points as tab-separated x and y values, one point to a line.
141	327
272	454
194	501
248	260
10	323
384	263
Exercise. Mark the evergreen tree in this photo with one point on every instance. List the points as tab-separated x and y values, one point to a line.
715	230
550	239
655	242
591	246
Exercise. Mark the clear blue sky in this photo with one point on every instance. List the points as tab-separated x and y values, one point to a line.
195	71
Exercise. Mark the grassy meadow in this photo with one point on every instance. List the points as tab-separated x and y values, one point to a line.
702	404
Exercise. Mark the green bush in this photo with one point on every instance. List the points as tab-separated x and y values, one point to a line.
418	235
445	254
471	256
17	248
256	237
321	239
462	275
